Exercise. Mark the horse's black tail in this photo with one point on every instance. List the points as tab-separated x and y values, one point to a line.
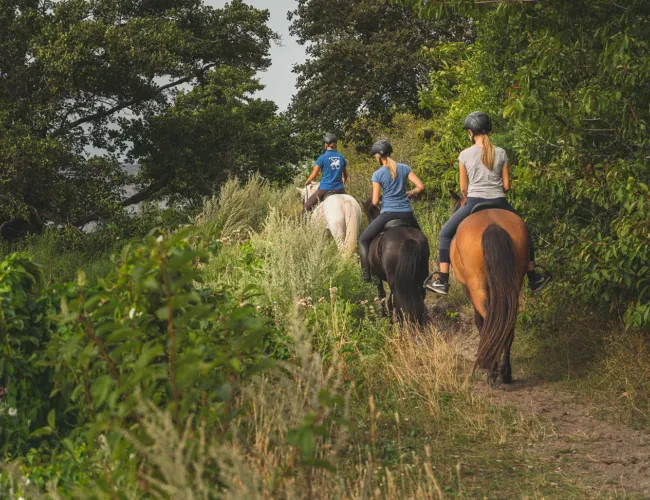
498	330
411	271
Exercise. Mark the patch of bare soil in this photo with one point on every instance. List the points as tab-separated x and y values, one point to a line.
610	460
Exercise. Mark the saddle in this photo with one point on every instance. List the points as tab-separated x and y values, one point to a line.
396	223
486	205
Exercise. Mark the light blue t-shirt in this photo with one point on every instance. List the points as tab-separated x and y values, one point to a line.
394	197
332	164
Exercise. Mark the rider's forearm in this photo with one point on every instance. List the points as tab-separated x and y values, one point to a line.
313	175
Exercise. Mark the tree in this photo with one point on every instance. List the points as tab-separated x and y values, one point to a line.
568	81
212	132
365	58
76	74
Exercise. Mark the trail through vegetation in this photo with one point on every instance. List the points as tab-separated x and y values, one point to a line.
609	459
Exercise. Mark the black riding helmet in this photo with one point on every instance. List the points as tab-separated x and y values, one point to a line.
330	139
478	122
383	148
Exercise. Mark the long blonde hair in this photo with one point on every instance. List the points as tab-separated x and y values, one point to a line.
487	156
392	166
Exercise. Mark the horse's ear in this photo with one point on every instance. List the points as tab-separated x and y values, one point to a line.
454	195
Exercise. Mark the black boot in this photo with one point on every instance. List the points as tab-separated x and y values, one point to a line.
365	267
537	281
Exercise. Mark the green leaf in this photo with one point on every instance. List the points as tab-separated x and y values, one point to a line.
51	419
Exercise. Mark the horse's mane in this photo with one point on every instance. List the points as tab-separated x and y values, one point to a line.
372	211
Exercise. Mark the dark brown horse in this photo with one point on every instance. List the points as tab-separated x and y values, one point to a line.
492	274
400	257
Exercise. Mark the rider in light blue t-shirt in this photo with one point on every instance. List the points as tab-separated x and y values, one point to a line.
390	179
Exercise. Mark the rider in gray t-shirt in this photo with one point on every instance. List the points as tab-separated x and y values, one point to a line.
484	177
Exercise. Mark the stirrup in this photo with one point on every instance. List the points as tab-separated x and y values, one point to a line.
430	277
537	266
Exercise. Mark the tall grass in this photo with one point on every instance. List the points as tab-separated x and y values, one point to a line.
61	262
240	209
285	256
261	460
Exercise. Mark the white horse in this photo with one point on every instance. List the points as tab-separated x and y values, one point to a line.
341	212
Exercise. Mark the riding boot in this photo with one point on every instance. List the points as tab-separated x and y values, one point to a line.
365	266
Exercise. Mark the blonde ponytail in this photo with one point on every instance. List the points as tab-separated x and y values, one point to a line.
392	167
487	156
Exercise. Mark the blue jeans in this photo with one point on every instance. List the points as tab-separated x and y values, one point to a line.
448	231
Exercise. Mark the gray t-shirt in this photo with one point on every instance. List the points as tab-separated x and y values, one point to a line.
484	183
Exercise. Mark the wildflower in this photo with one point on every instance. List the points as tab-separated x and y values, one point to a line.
363	302
321	300
12	412
132	313
160	238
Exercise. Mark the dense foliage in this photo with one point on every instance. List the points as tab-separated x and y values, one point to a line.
567	85
365	58
106	74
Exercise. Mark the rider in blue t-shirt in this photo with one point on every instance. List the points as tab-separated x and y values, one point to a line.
333	165
391	179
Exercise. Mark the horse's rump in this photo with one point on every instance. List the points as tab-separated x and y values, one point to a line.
342	213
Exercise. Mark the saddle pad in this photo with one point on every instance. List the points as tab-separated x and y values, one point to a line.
486	205
397	223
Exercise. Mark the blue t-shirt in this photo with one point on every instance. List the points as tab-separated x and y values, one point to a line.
331	164
394	197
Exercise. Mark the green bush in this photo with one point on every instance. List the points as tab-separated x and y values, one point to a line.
79	359
25	329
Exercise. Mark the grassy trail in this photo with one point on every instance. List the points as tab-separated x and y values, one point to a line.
587	456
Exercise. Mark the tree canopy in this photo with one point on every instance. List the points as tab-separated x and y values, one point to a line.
106	74
365	58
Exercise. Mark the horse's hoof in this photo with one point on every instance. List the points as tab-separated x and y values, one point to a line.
493	380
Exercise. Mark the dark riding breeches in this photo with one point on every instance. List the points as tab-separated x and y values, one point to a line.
318	196
448	231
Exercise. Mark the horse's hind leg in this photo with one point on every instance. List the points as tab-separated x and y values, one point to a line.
391	307
478	320
381	293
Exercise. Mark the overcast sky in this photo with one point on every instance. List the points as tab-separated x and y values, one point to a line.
280	82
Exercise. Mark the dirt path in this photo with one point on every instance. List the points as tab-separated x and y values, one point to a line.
610	460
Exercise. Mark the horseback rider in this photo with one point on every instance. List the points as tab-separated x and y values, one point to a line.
333	166
484	178
390	178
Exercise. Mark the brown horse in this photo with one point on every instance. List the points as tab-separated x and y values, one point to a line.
492	274
400	257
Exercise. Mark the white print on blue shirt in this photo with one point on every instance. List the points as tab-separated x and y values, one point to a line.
335	163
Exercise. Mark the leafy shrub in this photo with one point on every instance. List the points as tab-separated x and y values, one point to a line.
24	332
